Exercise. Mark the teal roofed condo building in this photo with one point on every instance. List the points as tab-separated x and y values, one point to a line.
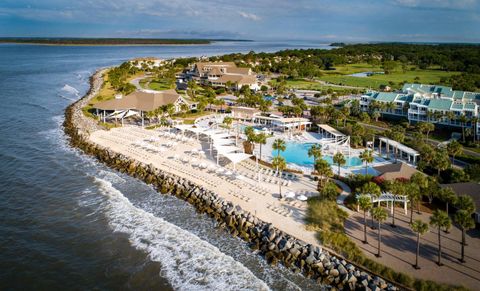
419	102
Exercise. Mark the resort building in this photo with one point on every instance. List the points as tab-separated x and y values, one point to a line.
140	102
432	103
223	74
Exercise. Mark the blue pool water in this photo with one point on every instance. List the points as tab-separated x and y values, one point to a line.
297	153
268	97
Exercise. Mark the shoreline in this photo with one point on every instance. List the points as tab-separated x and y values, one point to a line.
273	244
105	45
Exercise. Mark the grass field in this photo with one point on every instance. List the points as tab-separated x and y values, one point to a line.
340	76
312	85
157	84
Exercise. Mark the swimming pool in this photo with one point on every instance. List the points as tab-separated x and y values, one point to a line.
297	153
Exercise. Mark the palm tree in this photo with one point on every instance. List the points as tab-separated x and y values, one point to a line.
474	121
398	188
261	139
315	151
454	148
323	169
279	163
440	219
463	120
366	157
380	215
391	106
421	181
170	109
448	196
365	203
465	221
279	146
440	160
340	160
413	193
371	189
346	113
429	127
465	202
228	121
451	116
420	228
375	115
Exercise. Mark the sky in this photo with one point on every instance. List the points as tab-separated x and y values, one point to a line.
322	20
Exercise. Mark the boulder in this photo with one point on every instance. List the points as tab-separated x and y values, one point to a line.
334	273
341	269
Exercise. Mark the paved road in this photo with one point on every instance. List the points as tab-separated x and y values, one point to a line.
136	82
431	141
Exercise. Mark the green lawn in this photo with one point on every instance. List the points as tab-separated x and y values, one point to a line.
353	68
312	85
340	76
162	84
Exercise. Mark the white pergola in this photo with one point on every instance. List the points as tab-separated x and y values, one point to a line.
236	158
329	132
398	147
226	149
390	199
334	140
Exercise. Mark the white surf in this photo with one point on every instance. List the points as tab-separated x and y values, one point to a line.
188	262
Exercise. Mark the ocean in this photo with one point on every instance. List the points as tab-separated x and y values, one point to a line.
70	223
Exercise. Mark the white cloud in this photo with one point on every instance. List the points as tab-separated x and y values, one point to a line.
249	16
448	4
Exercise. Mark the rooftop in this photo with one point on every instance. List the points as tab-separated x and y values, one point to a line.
395	171
139	100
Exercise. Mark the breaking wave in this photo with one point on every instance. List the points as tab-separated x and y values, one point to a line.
188	262
69	89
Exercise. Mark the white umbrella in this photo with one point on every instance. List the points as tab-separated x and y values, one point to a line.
228	173
211	168
202	166
302	198
239	177
290	194
220	170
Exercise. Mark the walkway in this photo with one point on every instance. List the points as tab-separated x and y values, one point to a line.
341	198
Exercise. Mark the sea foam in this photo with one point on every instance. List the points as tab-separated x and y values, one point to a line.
69	89
188	262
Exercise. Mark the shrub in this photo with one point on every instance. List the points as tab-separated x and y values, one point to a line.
329	191
473	171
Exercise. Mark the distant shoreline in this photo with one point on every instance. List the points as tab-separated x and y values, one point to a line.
111	41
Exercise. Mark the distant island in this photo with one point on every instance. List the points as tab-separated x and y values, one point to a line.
110	41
